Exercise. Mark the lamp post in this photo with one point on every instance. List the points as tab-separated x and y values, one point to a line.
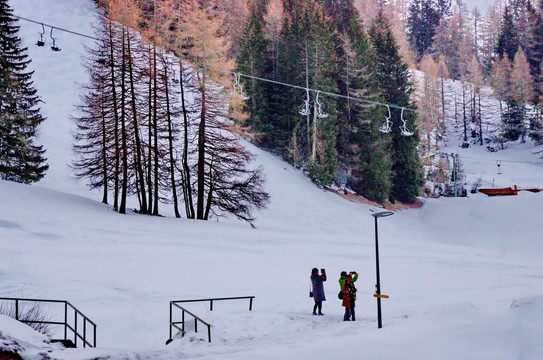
378	284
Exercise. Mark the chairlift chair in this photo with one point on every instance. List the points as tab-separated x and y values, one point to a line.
238	87
41	41
54	47
320	113
387	125
403	129
305	109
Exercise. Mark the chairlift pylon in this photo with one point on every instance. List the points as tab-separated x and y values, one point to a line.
387	125
54	47
41	41
305	109
404	130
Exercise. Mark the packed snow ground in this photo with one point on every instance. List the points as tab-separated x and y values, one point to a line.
464	275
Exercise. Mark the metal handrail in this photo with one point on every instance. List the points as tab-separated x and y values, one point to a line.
67	325
174	324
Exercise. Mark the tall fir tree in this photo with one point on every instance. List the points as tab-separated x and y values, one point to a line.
363	149
308	59
20	159
508	42
424	17
394	80
254	59
536	51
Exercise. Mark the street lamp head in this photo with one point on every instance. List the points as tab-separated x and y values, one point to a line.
381	214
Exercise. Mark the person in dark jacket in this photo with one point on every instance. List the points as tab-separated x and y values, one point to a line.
318	289
349	297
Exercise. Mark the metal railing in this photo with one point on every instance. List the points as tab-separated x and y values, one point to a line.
175	324
73	327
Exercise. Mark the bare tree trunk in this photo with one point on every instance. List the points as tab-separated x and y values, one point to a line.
122	208
170	142
116	117
155	127
104	156
187	186
464	112
152	73
139	165
201	151
443	102
480	120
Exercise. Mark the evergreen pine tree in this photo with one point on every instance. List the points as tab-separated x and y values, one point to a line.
424	17
20	159
254	59
363	149
537	52
308	59
508	42
394	81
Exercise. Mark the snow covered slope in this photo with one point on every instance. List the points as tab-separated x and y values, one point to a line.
464	275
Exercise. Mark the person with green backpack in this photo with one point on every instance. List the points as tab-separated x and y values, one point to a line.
348	293
354	277
349	297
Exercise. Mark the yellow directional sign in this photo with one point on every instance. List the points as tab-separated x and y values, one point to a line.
380	296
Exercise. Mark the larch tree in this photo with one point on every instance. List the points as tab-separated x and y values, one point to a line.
490	32
429	102
94	144
274	22
224	183
21	160
475	79
454	43
521	93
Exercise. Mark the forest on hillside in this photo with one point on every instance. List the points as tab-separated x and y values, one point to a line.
354	92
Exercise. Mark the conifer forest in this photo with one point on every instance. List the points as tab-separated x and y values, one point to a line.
353	92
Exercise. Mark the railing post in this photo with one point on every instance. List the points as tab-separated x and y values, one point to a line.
75	328
195	325
84	332
183	323
209	333
94	335
171	320
250	304
211	305
17	309
65	320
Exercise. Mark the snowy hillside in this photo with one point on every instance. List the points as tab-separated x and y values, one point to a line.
464	275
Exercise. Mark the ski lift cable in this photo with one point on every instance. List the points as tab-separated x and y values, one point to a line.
56	27
399	107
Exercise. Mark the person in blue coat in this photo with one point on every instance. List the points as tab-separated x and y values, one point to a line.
318	289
